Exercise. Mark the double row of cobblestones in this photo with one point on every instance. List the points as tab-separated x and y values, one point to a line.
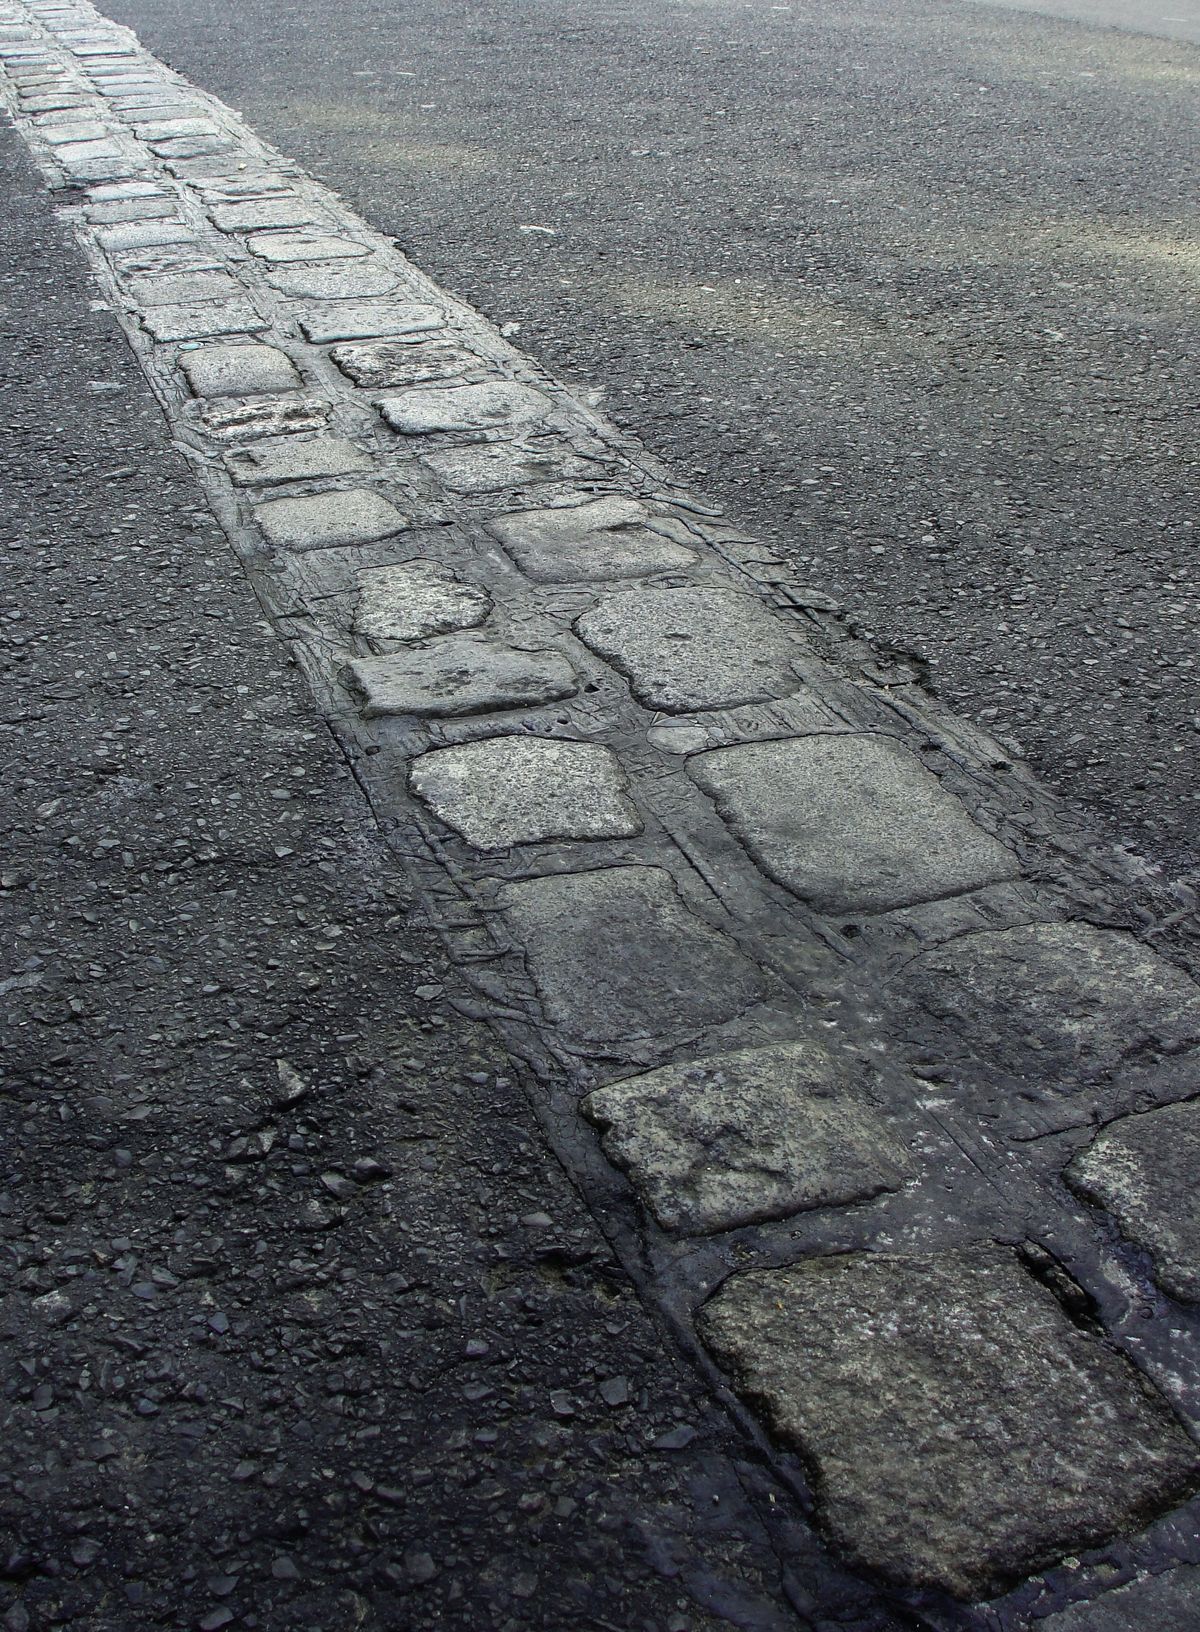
821	996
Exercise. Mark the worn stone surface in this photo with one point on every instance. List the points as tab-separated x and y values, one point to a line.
313	521
464	408
179	288
523	790
1154	1603
459	674
198	321
617	955
401	362
756	1134
281	248
143	234
260	214
414	600
366	320
499	466
238	371
162	130
1144	1170
237	419
1057	998
607	538
368	277
849	823
294	458
962	1431
684	649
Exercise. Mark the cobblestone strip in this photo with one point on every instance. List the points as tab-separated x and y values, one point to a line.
819	993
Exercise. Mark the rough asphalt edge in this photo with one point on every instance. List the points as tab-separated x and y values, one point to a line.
1140	900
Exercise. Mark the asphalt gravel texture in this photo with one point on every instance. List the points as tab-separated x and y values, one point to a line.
909	286
301	1326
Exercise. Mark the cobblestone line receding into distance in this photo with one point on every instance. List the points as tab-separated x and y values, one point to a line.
818	992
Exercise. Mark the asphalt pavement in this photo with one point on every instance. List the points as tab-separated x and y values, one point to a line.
908	286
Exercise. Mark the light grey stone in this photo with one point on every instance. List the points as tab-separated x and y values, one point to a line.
617	956
414	600
459	674
191	147
1169	1602
179	288
685	649
52	102
757	1134
402	362
189	321
114	191
1144	1169
525	790
280	248
83	130
261	214
500	466
161	130
315	521
188	256
234	419
143	234
961	1430
464	408
365	320
849	822
294	459
84	168
368	277
131	209
1057	999
86	151
238	371
606	538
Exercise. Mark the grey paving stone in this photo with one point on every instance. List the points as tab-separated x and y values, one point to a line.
606	538
616	955
524	790
685	649
459	674
849	823
961	1429
353	320
52	101
464	408
260	214
1144	1169
294	459
188	255
238	371
402	362
189	321
757	1134
366	278
414	600
235	419
501	466
131	209
178	288
315	521
143	234
1155	1603
1057	999
191	147
280	248
159	130
81	130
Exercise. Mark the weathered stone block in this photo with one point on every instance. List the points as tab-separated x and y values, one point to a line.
198	322
402	362
1169	1602
238	371
500	466
414	600
961	1429
1057	999
353	320
459	674
183	288
143	234
849	823
316	521
1144	1169
464	408
685	649
607	538
281	248
616	955
162	130
336	281
756	1134
525	790
294	459
261	214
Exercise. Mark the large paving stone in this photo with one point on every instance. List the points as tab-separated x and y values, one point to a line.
1156	1603
525	790
365	320
294	459
143	234
1066	999
961	1430
685	649
1144	1170
402	362
199	322
757	1134
608	538
261	214
463	408
414	600
281	248
181	288
315	521
459	674
499	466
336	280
849	823
616	955
235	419
238	371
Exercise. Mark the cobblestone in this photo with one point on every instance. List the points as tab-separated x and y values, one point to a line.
182	288
500	466
459	674
238	371
315	521
201	321
296	459
414	600
280	249
402	362
463	408
354	321
607	538
260	214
